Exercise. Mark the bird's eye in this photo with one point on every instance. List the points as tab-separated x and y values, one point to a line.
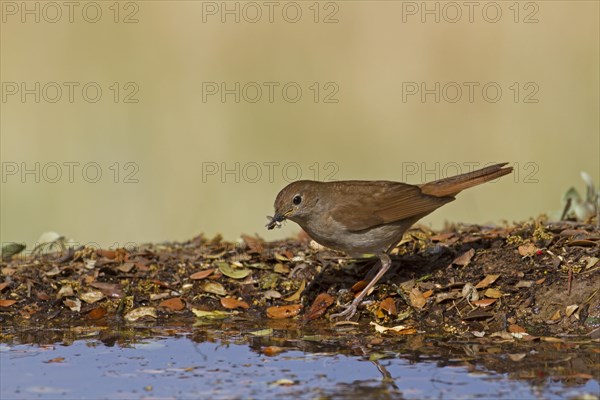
297	199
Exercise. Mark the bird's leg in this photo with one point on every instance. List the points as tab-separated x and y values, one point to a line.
350	310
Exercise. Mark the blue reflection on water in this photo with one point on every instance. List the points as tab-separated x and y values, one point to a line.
177	367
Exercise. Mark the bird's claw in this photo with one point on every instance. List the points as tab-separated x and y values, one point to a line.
347	313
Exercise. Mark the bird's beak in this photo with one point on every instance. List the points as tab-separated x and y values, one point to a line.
275	220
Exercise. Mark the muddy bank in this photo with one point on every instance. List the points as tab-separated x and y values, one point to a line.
528	281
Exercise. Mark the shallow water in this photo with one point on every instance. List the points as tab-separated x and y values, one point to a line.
223	361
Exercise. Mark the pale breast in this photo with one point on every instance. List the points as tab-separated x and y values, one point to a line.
332	234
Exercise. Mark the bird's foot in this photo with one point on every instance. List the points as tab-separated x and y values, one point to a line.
348	312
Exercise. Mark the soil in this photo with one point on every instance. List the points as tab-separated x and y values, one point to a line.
530	280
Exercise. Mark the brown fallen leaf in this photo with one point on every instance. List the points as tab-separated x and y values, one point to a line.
255	243
571	309
388	305
7	303
202	274
231	303
113	290
516	329
527	250
55	360
3	286
428	293
484	302
173	304
140	313
464	259
110	254
416	298
441	237
540	281
322	302
126	267
493	293
96	313
556	316
517	357
444	296
279	312
298	293
42	296
271	351
487	281
399	329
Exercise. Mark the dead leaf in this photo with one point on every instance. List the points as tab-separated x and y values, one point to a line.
231	303
96	313
322	302
113	290
416	298
464	259
110	254
3	285
516	329
126	267
141	312
281	268
524	284
173	304
272	294
7	303
55	360
42	296
399	329
389	305
441	237
571	309
455	294
271	351
487	281
65	291
428	293
73	304
279	312
202	274
92	296
254	243
493	293
214	315
540	281
590	263
551	339
527	250
214	288
556	316
233	272
484	302
262	332
517	357
298	293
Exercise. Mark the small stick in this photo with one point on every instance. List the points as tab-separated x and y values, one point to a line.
570	280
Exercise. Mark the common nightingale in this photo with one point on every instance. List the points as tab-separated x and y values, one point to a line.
360	217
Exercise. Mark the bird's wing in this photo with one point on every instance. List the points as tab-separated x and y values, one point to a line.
366	204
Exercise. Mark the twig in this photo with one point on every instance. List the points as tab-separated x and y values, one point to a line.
570	280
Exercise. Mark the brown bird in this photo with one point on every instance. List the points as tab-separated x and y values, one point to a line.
360	217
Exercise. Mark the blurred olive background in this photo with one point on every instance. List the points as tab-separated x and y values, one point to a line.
162	135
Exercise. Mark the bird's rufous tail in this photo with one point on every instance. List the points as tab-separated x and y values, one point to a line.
453	185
